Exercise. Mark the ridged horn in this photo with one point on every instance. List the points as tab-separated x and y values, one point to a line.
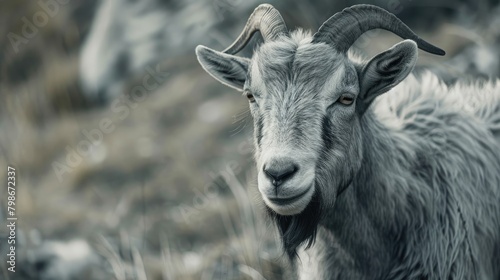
344	28
266	19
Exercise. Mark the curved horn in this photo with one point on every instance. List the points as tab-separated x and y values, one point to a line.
266	19
344	28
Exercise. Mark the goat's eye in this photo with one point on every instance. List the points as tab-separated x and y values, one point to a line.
346	99
250	97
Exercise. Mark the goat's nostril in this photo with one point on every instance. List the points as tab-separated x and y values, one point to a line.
278	173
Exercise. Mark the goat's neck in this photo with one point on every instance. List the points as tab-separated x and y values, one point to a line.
360	225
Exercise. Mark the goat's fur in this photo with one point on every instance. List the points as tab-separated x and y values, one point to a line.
424	199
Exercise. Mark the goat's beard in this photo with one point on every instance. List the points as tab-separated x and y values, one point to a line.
299	229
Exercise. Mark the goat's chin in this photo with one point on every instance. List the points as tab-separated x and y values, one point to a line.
294	207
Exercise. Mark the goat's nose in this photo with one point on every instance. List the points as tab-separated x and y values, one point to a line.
279	171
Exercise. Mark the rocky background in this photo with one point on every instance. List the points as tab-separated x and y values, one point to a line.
119	181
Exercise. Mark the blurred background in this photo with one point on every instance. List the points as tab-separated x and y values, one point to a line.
131	161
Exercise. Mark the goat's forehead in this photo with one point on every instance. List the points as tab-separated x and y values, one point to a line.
283	65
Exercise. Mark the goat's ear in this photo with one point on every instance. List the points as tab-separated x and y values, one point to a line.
386	70
228	69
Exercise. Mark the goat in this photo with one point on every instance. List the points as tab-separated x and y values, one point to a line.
369	171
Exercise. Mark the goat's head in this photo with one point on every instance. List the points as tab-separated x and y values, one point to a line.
307	97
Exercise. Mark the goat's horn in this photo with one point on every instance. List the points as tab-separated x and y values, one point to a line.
344	28
266	19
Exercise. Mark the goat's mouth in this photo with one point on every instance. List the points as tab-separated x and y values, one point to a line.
287	200
290	205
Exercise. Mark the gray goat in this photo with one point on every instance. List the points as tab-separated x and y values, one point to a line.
369	171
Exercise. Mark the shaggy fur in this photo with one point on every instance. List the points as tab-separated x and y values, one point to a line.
425	202
406	188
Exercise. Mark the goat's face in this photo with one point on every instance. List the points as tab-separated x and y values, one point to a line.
307	99
302	99
306	105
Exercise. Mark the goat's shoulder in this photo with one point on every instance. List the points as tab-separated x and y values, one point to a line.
424	102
